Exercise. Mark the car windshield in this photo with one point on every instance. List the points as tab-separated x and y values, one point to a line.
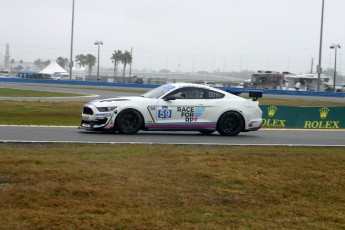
158	92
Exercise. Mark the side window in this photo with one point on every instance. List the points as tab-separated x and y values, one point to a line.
214	95
178	94
190	93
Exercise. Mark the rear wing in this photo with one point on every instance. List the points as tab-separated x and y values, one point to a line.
255	94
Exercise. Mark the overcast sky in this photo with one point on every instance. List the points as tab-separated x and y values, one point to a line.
186	35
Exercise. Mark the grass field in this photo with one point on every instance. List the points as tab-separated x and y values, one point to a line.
40	113
75	186
123	90
80	186
6	92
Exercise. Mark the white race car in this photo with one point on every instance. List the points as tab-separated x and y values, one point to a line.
175	107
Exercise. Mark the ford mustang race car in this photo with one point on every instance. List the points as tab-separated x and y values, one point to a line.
175	107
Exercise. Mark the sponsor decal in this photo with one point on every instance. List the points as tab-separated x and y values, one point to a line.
191	114
273	122
323	124
272	110
304	117
324	112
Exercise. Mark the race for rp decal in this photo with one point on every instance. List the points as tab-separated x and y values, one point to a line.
191	114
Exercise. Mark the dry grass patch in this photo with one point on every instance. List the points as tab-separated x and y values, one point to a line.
75	186
40	113
7	92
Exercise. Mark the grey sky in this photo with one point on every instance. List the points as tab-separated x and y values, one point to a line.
281	35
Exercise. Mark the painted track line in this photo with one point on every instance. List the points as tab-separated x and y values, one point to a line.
152	143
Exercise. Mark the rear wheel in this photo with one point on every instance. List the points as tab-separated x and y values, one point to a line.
230	124
128	122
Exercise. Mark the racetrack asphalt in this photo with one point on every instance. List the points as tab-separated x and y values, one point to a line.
286	137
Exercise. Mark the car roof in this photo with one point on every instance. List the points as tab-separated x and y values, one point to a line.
179	85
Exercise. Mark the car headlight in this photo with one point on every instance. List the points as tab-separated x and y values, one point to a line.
107	109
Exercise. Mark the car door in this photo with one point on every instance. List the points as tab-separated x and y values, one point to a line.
187	107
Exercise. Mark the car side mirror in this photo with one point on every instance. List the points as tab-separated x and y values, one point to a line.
170	98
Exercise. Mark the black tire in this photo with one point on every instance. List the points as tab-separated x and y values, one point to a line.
128	122
230	124
206	132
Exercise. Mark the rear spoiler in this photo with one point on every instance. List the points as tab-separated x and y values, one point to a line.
255	94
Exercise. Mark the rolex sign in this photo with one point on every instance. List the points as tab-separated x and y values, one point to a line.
303	117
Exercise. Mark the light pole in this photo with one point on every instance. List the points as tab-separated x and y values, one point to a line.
71	52
98	43
335	47
319	68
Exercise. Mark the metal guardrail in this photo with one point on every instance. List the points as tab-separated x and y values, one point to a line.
149	86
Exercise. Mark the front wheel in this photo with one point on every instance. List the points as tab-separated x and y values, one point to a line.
230	124
128	122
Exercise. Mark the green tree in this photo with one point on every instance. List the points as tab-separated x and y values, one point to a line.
328	72
126	58
38	63
18	68
62	61
90	62
116	58
46	63
81	59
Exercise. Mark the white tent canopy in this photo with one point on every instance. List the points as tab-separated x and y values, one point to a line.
54	69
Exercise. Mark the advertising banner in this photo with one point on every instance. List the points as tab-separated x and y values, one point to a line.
330	117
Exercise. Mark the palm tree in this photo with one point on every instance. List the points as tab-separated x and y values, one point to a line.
90	61
38	63
116	58
81	59
62	61
126	58
46	63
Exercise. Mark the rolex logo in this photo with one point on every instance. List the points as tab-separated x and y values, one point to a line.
324	112
272	110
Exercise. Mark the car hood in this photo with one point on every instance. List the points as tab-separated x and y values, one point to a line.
115	100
